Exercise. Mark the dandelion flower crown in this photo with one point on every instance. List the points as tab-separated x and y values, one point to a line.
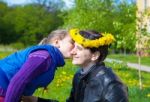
106	39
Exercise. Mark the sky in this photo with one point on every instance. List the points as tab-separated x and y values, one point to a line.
17	2
68	2
20	2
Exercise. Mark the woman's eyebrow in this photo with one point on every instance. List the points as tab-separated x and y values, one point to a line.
79	47
72	41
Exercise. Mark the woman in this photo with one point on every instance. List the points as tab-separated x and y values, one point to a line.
22	72
94	82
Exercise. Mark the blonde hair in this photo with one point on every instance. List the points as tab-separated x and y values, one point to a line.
60	34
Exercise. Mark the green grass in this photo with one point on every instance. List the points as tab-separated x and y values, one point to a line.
3	54
130	58
60	87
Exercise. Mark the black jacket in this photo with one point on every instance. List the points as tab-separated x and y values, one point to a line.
100	84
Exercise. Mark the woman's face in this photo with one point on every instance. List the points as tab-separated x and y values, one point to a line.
81	56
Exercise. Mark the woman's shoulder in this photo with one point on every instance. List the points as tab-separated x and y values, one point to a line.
106	75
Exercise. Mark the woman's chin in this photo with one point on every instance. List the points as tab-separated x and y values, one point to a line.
75	63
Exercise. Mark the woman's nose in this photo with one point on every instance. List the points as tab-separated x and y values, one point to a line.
73	51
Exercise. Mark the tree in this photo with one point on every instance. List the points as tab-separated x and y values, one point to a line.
143	38
6	28
34	22
125	26
50	5
29	24
90	14
105	16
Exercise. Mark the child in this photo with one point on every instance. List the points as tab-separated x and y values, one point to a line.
22	72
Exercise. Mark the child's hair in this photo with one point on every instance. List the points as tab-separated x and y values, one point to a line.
60	34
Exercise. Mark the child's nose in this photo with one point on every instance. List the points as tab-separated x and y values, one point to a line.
73	51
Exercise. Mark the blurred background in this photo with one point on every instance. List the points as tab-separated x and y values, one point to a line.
25	22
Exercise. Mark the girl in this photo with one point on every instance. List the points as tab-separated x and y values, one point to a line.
22	72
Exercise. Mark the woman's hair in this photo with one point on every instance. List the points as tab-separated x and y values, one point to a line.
60	34
92	35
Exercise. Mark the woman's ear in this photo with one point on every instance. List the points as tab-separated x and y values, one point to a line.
95	56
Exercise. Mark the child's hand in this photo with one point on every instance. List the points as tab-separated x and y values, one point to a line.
29	99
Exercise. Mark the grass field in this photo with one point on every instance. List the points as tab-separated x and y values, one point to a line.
130	58
60	87
3	54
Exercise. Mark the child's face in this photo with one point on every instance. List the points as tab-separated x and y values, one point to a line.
65	46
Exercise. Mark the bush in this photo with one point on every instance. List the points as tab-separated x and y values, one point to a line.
17	45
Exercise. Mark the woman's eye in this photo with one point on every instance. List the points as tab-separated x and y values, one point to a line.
79	48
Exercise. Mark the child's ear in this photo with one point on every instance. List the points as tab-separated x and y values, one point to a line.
95	56
55	42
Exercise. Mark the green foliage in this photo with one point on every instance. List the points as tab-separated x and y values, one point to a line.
90	14
6	28
105	16
33	22
27	24
17	45
50	5
125	26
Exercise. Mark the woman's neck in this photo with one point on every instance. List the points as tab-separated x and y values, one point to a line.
87	67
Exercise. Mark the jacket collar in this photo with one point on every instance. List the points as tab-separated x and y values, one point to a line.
91	70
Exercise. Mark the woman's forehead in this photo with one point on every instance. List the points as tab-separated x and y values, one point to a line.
78	45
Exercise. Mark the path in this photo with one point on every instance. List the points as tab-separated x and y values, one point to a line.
132	65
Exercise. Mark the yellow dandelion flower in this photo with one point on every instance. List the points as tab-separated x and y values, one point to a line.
148	95
64	72
107	39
